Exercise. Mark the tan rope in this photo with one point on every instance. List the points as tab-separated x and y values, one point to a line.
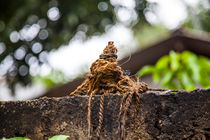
89	115
79	88
127	105
106	76
138	98
120	114
101	117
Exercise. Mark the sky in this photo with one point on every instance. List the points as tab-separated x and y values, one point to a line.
76	57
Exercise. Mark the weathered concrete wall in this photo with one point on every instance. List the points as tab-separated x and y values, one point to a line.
178	116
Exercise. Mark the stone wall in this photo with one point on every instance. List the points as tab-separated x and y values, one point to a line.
182	115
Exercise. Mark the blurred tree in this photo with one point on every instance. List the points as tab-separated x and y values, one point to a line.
198	16
31	28
150	34
55	77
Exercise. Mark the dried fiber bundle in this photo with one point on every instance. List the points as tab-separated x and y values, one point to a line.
106	76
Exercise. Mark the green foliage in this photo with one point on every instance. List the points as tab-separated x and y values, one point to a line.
180	71
198	20
57	137
54	78
15	138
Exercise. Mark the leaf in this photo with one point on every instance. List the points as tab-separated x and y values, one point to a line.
59	137
191	61
162	62
204	63
205	82
180	71
185	55
171	85
167	77
186	81
146	70
174	60
156	76
15	138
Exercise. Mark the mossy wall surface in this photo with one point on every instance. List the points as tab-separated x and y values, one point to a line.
182	115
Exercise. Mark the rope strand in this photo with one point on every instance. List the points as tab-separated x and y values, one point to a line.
127	105
89	115
138	97
121	112
101	117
